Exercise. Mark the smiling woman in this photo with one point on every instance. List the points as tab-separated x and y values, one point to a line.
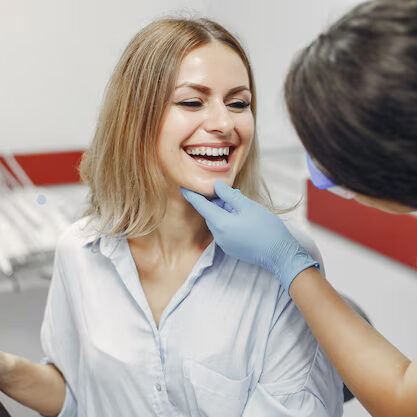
160	104
145	311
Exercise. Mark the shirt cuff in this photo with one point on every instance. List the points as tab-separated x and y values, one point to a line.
69	409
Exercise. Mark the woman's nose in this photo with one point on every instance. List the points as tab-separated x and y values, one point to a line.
219	119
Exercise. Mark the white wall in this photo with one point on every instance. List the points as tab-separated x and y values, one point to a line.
56	58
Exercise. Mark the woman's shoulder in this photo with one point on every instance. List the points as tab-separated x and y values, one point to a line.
77	235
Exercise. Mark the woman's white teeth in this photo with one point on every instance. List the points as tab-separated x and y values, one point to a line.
212	163
208	151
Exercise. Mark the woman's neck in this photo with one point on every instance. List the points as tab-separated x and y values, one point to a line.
182	230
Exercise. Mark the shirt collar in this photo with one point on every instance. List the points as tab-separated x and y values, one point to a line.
88	234
206	259
108	244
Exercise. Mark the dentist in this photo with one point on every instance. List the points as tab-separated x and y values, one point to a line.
352	98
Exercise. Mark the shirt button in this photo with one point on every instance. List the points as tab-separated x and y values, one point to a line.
158	387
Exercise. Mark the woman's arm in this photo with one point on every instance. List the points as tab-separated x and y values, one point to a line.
378	374
40	387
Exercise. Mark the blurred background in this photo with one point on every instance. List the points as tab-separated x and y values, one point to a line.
56	58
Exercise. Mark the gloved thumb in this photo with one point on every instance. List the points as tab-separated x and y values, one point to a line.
229	195
210	211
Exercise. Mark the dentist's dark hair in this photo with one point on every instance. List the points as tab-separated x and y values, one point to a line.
352	98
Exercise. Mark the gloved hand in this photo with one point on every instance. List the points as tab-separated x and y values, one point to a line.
248	231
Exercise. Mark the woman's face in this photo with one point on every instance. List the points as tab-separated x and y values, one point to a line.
208	126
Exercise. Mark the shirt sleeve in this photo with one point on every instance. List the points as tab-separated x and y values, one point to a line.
297	379
59	337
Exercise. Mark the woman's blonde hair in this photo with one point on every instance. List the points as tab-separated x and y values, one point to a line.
121	165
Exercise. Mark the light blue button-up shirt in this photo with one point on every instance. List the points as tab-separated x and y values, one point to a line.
230	342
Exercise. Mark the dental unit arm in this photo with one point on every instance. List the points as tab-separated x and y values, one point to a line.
30	219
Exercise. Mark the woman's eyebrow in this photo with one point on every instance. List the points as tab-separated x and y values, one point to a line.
201	88
207	90
236	90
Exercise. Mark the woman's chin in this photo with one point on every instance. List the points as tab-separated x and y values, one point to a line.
207	191
206	188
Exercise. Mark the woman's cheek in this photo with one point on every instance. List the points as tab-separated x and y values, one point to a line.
247	129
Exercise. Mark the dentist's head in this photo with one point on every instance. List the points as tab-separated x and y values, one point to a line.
352	97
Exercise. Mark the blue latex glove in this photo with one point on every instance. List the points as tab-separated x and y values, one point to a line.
248	231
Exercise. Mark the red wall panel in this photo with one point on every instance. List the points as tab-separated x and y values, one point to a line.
50	168
390	234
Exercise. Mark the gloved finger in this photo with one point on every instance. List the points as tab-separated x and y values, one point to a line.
230	195
229	208
222	204
218	202
210	211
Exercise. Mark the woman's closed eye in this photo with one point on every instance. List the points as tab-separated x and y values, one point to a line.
239	105
194	104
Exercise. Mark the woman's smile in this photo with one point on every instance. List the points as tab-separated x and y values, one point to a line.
215	157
